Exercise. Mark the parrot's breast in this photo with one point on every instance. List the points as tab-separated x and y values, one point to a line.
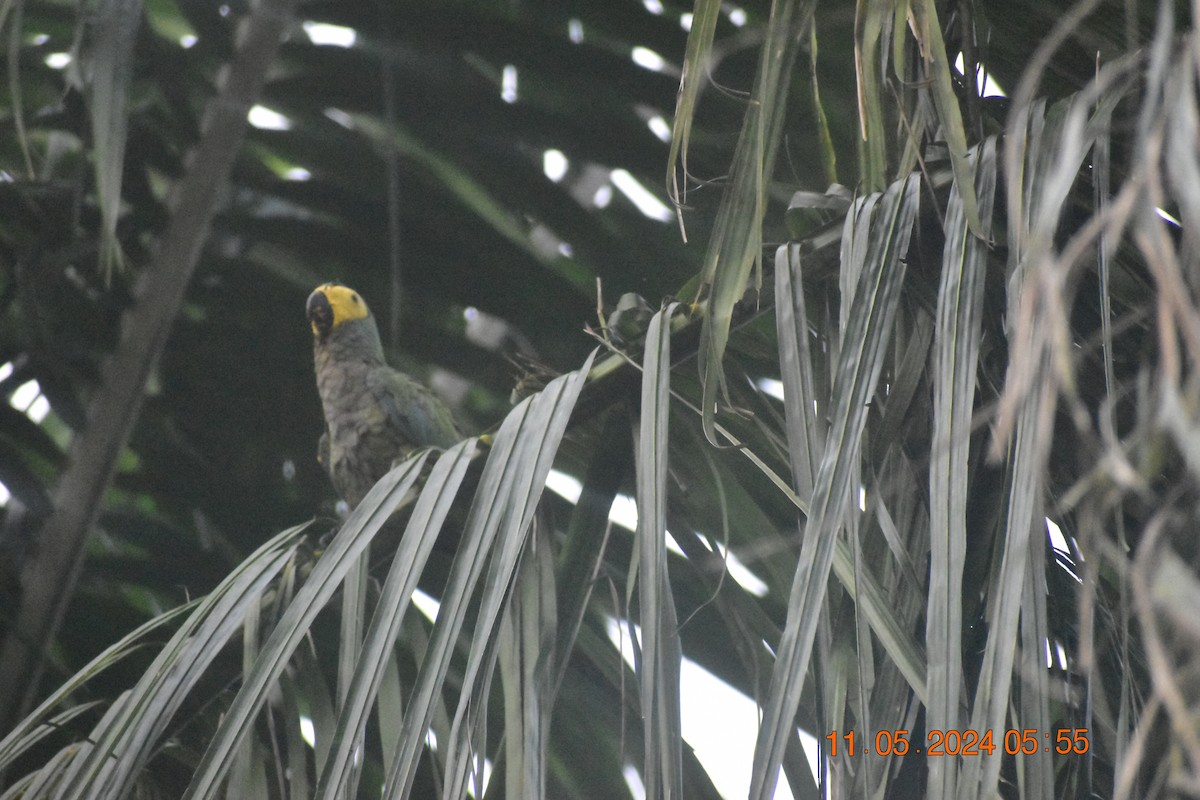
374	415
362	442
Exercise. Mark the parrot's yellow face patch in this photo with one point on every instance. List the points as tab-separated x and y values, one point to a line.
331	304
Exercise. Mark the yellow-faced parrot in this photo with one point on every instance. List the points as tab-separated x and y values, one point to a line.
374	415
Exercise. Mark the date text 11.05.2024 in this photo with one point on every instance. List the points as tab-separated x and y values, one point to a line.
960	743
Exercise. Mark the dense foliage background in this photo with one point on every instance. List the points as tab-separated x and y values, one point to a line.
928	280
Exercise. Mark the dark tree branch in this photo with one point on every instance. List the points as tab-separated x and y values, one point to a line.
52	570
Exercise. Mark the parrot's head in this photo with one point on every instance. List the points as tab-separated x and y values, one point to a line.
332	305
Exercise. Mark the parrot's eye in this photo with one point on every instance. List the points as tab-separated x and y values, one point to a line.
354	297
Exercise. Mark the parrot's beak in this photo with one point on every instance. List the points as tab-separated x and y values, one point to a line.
320	314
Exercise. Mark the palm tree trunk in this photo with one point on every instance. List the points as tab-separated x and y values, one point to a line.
49	576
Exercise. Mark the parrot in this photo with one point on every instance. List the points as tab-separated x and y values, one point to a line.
374	415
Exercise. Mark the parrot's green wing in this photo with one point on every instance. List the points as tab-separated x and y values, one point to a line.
414	411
